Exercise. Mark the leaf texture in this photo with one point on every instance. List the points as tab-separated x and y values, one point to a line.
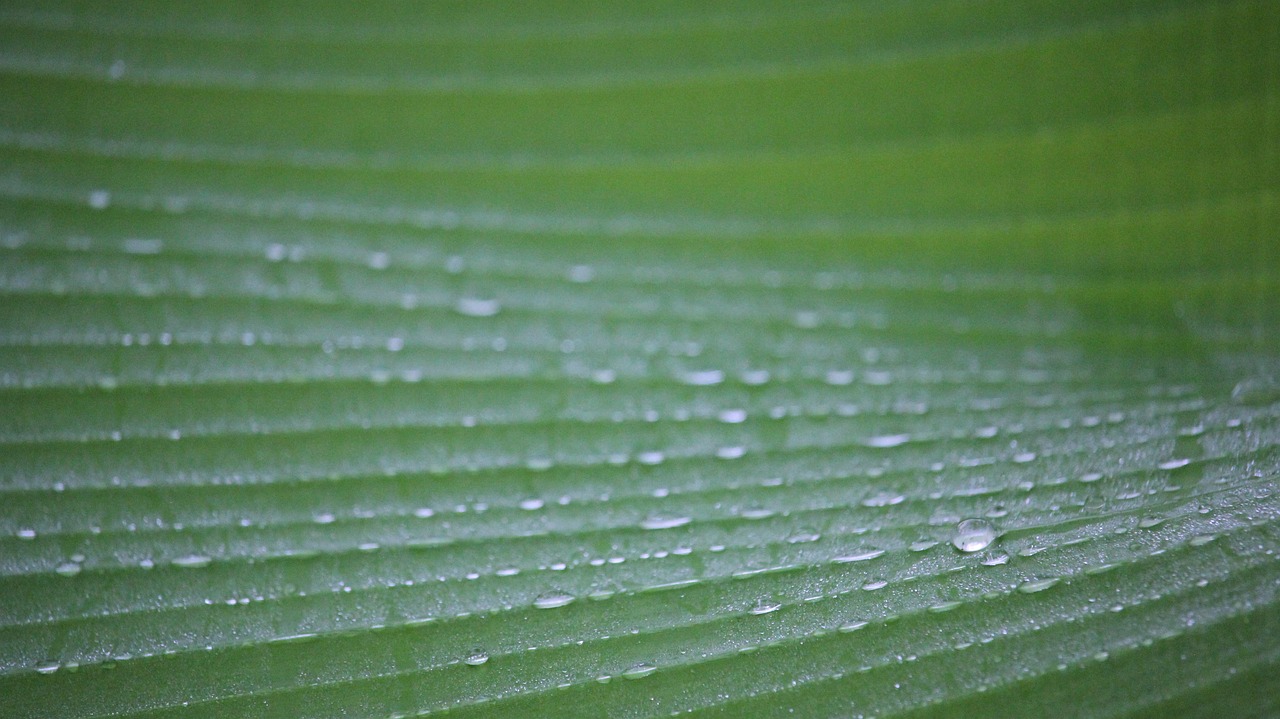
613	359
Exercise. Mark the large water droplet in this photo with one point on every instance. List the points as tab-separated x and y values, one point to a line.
48	667
552	600
973	535
476	659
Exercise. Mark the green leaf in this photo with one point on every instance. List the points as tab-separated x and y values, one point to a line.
586	359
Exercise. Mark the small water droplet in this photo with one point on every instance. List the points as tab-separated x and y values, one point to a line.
48	667
756	513
734	452
875	584
477	307
883	499
424	512
1201	539
531	504
973	535
703	377
662	522
859	556
852	627
26	533
193	561
68	569
804	536
765	606
732	416
887	440
1031	586
324	518
639	670
1256	391
1149	522
552	600
476	659
995	560
99	199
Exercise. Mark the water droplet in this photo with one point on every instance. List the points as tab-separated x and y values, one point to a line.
477	307
476	659
804	536
1256	391
756	513
875	584
764	607
883	499
859	556
995	560
1031	586
531	504
703	377
944	607
923	545
26	533
639	670
852	627
1201	540
735	452
732	416
581	273
324	518
651	457
68	569
193	561
99	199
887	440
660	522
973	535
1174	463
424	512
552	600
48	667
1149	522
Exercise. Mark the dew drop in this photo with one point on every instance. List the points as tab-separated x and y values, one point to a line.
732	416
476	659
973	535
664	522
765	607
193	561
1031	586
852	627
639	670
99	199
875	584
324	518
858	556
48	667
477	307
804	536
1149	522
883	499
26	533
1174	463
703	377
424	512
552	600
1201	540
531	504
995	560
68	569
887	440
